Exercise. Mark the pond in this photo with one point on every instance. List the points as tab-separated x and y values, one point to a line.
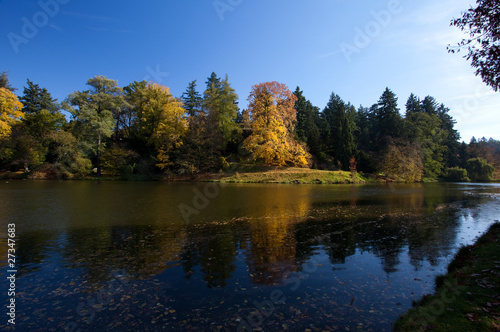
119	256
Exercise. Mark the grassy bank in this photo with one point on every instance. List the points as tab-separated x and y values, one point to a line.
286	175
467	298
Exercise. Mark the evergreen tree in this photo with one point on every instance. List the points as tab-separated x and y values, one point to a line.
221	103
307	118
192	99
4	82
388	121
413	109
451	137
429	105
433	129
413	105
36	99
364	136
341	121
334	106
463	155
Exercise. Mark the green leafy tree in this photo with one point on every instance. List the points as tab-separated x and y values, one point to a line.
456	174
482	23
93	120
23	150
479	170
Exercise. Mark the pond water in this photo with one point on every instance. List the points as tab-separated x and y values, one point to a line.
120	256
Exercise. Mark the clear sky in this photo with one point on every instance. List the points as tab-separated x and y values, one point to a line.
353	48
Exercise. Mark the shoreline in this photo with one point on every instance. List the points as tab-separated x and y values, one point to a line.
250	174
467	298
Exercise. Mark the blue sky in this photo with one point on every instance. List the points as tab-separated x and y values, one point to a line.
352	48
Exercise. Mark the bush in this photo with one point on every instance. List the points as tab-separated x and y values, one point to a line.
127	172
81	166
456	174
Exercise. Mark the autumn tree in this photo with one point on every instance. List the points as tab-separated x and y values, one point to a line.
482	23
401	161
93	120
159	121
10	111
273	118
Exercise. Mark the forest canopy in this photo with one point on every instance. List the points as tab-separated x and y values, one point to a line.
142	131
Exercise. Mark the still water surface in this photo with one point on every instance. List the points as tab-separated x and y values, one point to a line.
124	256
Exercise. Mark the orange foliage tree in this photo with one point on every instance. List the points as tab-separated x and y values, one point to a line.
272	121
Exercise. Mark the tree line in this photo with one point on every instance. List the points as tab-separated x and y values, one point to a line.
141	131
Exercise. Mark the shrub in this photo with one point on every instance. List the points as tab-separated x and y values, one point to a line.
456	174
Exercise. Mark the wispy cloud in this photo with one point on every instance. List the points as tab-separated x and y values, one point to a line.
110	30
53	26
104	19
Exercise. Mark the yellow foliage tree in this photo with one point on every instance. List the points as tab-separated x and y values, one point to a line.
402	161
10	111
272	120
162	116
